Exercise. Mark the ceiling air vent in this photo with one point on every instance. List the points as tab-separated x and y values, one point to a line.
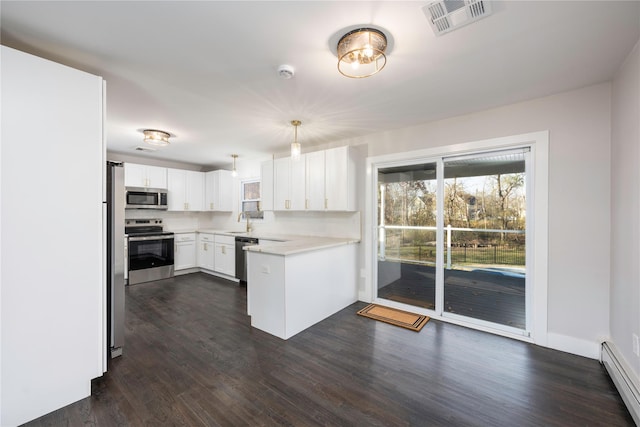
146	149
448	15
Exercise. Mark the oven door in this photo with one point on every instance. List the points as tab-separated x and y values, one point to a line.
150	258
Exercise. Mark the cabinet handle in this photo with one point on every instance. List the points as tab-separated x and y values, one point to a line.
326	203
211	205
206	247
224	250
306	203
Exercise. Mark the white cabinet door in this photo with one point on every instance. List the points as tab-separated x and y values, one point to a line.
339	179
297	184
195	191
157	177
219	191
134	175
176	184
225	258
206	251
289	184
266	189
185	251
186	190
315	190
281	176
144	176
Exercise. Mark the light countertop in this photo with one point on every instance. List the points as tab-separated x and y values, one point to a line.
279	244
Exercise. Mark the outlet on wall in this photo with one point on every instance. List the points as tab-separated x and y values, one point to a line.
636	345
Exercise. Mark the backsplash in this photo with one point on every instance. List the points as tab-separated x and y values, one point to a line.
326	224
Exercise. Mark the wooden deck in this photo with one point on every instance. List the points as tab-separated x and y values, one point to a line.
488	296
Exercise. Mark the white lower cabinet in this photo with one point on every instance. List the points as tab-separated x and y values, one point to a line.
185	251
225	255
206	251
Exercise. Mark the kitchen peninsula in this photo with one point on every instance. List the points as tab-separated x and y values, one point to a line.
297	283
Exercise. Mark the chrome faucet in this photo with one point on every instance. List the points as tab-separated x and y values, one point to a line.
247	217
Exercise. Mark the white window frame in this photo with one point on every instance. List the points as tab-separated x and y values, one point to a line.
241	198
537	204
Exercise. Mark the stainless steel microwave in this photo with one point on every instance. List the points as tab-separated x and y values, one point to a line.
146	198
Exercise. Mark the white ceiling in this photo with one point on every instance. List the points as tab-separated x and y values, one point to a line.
206	71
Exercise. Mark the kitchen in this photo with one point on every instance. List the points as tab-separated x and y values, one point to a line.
376	116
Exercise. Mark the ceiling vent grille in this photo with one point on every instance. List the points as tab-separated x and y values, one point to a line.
448	15
145	149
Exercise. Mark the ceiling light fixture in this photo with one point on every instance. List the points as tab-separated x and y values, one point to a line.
361	53
234	172
156	137
295	145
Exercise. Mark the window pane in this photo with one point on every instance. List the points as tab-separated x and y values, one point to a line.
251	191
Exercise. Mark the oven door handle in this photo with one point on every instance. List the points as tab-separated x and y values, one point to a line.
143	238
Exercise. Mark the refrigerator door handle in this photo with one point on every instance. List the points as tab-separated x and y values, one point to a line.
126	258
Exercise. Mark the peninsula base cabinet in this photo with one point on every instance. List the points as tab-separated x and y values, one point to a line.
286	294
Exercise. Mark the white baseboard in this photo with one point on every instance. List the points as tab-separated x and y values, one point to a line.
623	377
590	349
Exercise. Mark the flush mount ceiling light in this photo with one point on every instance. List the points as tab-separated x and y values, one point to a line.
234	172
295	145
361	53
156	137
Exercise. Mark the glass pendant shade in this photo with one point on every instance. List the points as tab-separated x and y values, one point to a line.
295	145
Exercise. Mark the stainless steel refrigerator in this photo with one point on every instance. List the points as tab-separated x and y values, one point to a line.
115	258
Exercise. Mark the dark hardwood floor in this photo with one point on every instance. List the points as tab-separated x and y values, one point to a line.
192	359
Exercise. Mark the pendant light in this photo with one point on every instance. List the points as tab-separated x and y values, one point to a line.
234	172
295	145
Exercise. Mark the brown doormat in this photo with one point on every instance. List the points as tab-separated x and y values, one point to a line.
404	319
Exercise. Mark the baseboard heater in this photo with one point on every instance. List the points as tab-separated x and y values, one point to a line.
622	378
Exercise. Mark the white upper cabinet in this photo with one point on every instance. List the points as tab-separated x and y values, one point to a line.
289	184
186	190
144	176
315	181
340	179
319	181
218	191
266	196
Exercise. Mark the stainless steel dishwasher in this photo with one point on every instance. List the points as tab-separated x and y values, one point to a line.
241	256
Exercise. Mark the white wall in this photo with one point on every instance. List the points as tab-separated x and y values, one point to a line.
52	315
579	207
625	209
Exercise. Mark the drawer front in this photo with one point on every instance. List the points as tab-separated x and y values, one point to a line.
185	237
225	240
206	237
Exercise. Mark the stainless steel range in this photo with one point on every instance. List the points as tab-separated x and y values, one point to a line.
149	251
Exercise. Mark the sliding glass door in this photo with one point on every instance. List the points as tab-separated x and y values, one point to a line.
485	235
407	212
452	237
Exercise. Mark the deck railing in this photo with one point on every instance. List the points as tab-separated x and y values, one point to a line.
477	247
